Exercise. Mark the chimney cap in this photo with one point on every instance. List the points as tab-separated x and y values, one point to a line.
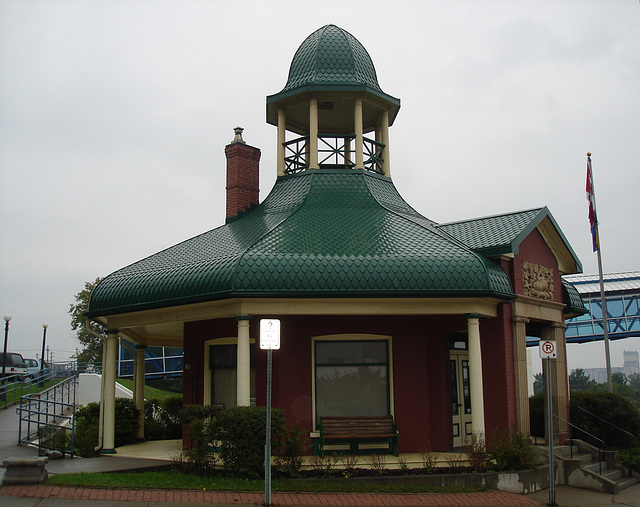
238	135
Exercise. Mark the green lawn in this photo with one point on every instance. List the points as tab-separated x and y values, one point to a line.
150	393
177	480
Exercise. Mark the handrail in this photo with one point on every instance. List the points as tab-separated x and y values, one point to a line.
633	437
607	422
51	409
601	450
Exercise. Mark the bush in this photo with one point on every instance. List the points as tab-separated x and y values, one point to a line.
162	418
241	431
476	452
201	457
537	415
610	407
511	450
88	420
294	444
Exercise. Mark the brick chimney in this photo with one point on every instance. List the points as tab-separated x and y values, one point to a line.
243	178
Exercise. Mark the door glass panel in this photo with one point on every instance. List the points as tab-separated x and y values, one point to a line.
466	390
454	386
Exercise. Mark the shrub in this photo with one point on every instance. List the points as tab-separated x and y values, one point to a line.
201	457
241	432
88	420
610	407
295	443
511	450
537	415
476	452
162	418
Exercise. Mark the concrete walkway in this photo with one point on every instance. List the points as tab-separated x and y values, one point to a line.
48	496
53	496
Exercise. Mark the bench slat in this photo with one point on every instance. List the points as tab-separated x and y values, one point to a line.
366	429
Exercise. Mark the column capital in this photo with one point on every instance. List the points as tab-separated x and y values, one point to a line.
141	347
516	319
469	316
243	317
557	325
112	331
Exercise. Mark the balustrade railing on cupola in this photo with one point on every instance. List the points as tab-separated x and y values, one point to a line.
334	152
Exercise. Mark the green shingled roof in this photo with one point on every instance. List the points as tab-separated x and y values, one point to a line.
497	234
322	233
332	59
331	56
502	234
571	297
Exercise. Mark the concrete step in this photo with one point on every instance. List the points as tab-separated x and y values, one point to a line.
626	482
585	460
595	467
564	451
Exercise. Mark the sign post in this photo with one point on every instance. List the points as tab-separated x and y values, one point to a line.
269	340
549	351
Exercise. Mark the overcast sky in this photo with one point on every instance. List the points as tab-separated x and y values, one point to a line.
114	116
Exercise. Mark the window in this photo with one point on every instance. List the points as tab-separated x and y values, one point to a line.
223	362
352	378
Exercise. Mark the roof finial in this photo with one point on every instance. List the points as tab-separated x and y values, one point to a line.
238	137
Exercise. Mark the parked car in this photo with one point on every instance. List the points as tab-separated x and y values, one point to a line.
34	367
14	364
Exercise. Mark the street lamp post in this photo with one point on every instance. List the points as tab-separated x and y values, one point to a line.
44	340
3	393
7	319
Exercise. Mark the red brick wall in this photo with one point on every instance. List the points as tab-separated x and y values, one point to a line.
420	353
243	177
534	249
498	374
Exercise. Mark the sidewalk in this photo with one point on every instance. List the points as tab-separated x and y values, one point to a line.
34	494
48	496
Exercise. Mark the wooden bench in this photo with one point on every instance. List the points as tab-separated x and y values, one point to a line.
356	430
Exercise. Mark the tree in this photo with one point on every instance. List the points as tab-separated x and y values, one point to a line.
620	379
580	381
538	383
91	344
634	381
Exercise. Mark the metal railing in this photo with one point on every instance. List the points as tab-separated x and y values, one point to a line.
48	417
601	448
334	152
632	437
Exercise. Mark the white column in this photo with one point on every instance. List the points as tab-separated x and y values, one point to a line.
243	372
282	127
109	395
386	166
313	134
359	134
475	373
138	383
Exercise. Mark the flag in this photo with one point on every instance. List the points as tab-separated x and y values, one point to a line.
591	197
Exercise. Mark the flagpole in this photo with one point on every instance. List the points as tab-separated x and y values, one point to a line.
603	301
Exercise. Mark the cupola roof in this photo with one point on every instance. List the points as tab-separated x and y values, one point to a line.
331	56
331	60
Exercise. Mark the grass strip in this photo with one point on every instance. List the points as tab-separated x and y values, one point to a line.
178	480
150	393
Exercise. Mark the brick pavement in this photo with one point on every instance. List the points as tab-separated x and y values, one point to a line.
494	498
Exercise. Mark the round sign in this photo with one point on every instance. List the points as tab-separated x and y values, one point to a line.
548	349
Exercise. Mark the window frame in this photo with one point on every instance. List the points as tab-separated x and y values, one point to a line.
351	338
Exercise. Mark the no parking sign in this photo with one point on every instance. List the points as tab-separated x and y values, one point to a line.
548	349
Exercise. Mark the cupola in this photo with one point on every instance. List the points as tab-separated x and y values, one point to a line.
332	99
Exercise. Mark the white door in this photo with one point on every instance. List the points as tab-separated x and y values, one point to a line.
461	398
